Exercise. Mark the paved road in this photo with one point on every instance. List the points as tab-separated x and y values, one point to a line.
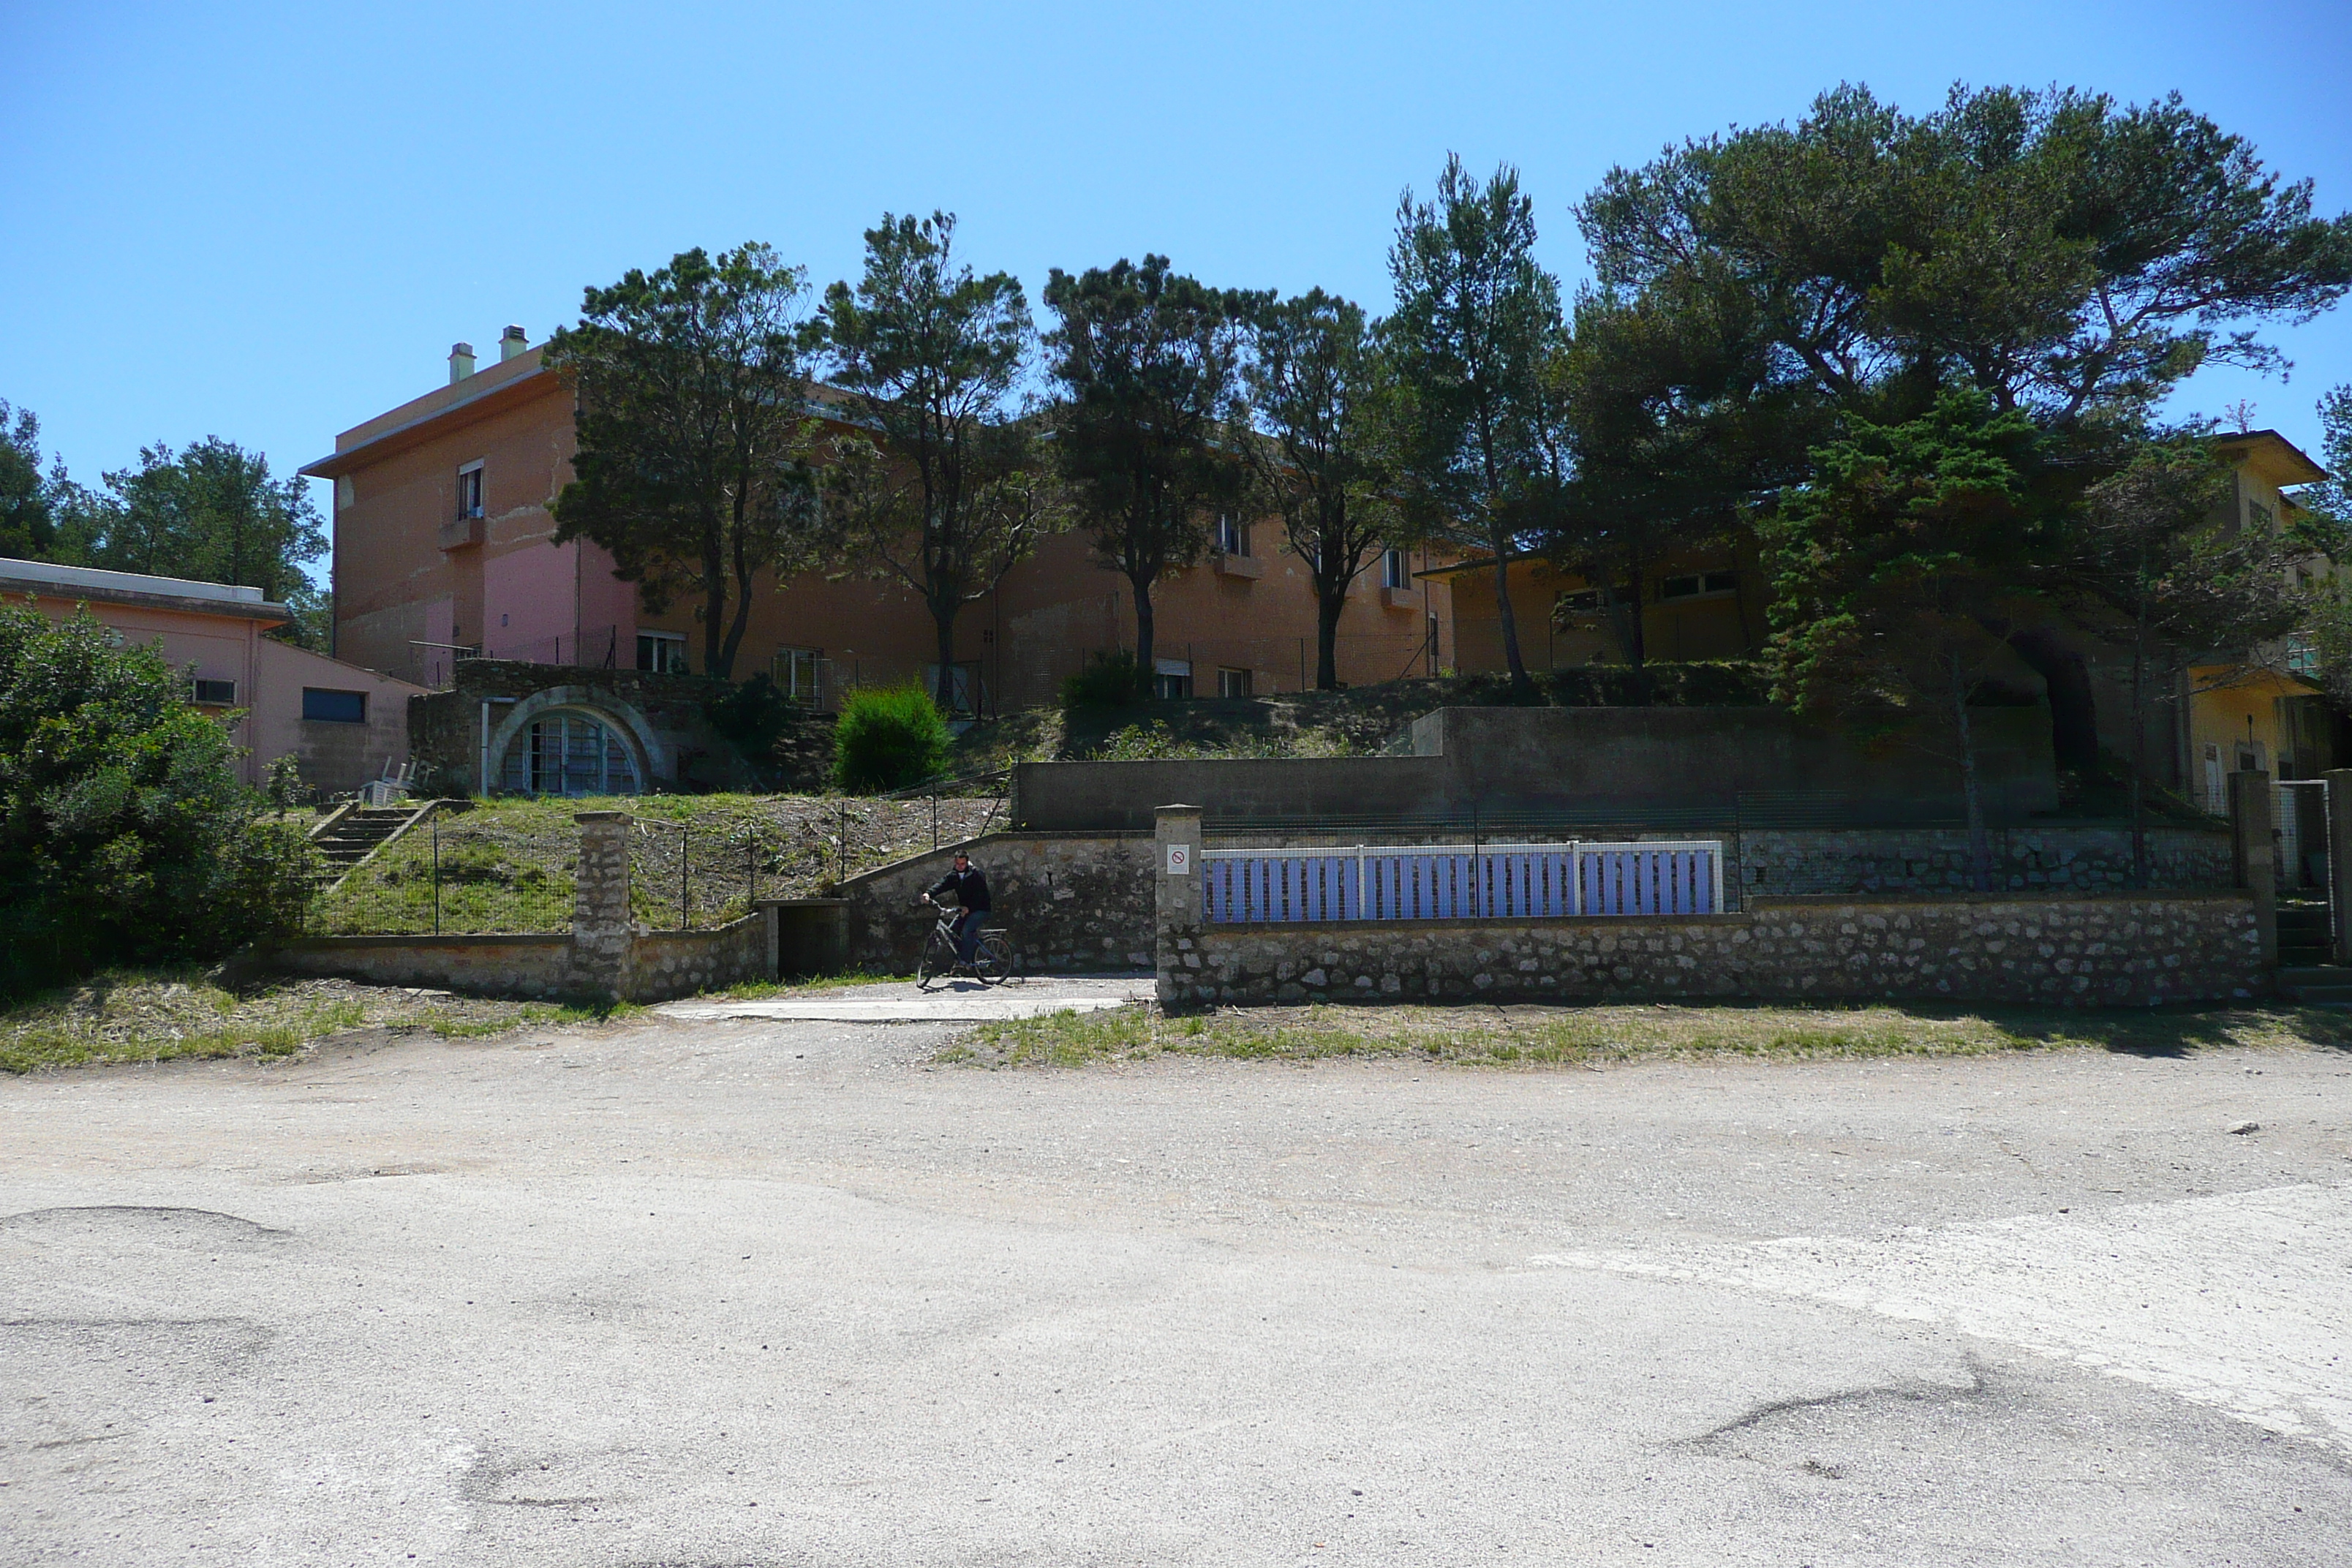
947	1002
775	1292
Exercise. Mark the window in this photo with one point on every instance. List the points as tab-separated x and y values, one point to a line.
1233	682
216	693
2262	517
796	675
2301	655
1171	679
569	754
323	706
469	490
1396	571
1232	536
963	685
1700	586
1576	602
664	653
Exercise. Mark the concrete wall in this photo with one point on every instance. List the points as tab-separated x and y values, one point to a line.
2125	950
1693	756
333	756
1538	758
1071	903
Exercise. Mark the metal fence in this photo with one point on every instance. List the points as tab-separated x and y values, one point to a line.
688	878
429	883
1499	881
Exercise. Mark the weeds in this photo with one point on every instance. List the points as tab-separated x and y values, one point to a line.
1535	1037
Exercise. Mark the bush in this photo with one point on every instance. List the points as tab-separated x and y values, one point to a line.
888	736
1107	680
754	716
125	838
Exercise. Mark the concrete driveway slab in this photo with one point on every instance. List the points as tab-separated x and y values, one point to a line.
950	1002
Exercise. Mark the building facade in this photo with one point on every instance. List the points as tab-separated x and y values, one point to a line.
444	551
344	725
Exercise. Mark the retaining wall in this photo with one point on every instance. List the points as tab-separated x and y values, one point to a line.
2132	949
1073	903
653	966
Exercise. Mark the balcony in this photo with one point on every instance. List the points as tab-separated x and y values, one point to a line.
1244	566
458	535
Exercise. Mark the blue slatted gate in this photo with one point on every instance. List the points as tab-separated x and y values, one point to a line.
1422	882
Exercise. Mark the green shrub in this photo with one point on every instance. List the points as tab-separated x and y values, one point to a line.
125	836
1107	680
888	736
754	716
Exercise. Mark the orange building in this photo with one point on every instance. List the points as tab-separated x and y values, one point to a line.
444	551
344	725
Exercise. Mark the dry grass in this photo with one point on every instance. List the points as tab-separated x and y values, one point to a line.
134	1015
1594	1037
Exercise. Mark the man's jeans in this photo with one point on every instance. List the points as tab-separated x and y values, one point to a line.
967	934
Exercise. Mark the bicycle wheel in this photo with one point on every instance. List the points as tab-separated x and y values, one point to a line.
939	959
994	963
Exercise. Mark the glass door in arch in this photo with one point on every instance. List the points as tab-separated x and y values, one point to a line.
570	754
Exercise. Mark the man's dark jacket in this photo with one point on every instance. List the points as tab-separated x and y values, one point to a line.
970	887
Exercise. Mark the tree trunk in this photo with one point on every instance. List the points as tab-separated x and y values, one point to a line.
943	619
1520	685
2140	754
1143	641
1971	794
1328	604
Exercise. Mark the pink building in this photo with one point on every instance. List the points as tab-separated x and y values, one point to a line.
342	724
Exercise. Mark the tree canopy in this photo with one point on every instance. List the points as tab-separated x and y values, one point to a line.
27	528
1147	362
932	355
2062	253
1478	323
124	833
1322	400
693	435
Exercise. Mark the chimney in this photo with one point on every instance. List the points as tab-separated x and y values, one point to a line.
510	343
461	362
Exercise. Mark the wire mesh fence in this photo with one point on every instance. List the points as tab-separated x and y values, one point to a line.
429	882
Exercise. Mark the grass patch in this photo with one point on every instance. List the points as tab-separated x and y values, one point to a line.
763	989
149	1015
1601	1036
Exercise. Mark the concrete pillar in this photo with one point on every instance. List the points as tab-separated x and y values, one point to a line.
1176	904
2251	856
2339	861
603	932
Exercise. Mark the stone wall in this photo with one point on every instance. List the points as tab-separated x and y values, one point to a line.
1072	904
526	966
1776	861
2133	949
668	963
669	737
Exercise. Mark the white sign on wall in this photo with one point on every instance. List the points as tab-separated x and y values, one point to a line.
1180	859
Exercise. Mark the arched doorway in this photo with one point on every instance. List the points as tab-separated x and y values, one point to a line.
568	752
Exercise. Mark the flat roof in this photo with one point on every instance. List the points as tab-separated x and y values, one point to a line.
137	587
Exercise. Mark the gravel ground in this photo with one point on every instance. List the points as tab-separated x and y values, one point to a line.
791	1293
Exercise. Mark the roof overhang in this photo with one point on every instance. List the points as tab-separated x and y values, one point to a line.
501	394
261	610
2271	458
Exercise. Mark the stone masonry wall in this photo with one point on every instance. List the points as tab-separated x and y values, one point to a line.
1072	904
2133	949
526	966
1786	861
671	963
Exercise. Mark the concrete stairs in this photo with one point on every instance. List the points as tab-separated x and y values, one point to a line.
346	839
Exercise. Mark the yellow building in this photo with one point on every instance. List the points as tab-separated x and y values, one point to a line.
2260	707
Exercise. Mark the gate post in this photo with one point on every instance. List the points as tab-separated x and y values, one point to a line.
2250	854
1176	904
2339	861
603	934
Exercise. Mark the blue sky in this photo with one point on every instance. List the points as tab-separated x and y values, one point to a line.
269	223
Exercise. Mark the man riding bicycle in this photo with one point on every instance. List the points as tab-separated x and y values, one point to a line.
970	890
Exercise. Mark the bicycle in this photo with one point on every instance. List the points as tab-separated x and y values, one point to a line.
993	960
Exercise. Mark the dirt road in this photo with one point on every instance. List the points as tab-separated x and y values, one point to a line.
777	1291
